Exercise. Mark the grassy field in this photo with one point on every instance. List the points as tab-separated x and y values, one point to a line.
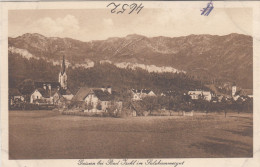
50	135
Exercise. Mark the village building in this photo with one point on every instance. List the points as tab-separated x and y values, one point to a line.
96	99
44	92
233	90
234	93
247	92
51	92
200	94
243	94
140	94
169	93
15	96
219	97
36	94
63	76
237	93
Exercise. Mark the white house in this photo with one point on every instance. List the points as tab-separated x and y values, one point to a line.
197	94
97	96
45	95
140	94
15	96
36	94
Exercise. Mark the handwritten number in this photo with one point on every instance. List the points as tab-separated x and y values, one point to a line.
123	9
133	7
140	7
113	10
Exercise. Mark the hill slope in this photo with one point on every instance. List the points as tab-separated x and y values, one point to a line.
21	69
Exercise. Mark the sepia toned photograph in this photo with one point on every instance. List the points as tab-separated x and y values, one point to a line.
144	83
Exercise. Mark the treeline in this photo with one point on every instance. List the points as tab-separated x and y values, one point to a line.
124	79
184	103
100	75
20	69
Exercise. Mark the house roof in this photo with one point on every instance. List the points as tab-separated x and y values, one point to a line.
136	90
55	90
199	92
146	91
65	92
40	84
81	94
46	93
103	95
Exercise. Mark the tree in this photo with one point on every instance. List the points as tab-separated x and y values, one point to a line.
150	103
225	105
113	109
26	87
239	105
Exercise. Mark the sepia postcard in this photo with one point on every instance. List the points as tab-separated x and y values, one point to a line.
130	83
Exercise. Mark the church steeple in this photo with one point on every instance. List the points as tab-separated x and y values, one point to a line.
63	67
63	75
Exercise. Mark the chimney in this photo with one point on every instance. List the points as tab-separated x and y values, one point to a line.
109	89
49	86
44	86
103	88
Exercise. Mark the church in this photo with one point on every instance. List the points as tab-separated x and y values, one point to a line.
52	92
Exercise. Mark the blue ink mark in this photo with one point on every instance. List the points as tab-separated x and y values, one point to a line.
206	11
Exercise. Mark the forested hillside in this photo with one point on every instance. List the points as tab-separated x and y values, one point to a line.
21	69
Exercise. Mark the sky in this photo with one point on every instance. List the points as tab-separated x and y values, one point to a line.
100	24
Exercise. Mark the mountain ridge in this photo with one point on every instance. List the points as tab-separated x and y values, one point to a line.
228	58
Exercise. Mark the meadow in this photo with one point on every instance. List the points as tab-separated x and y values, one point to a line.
46	134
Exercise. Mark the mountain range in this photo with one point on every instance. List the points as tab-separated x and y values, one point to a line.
214	58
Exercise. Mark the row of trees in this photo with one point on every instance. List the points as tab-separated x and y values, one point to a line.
184	103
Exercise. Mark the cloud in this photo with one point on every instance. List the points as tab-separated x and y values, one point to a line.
108	23
89	25
66	26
